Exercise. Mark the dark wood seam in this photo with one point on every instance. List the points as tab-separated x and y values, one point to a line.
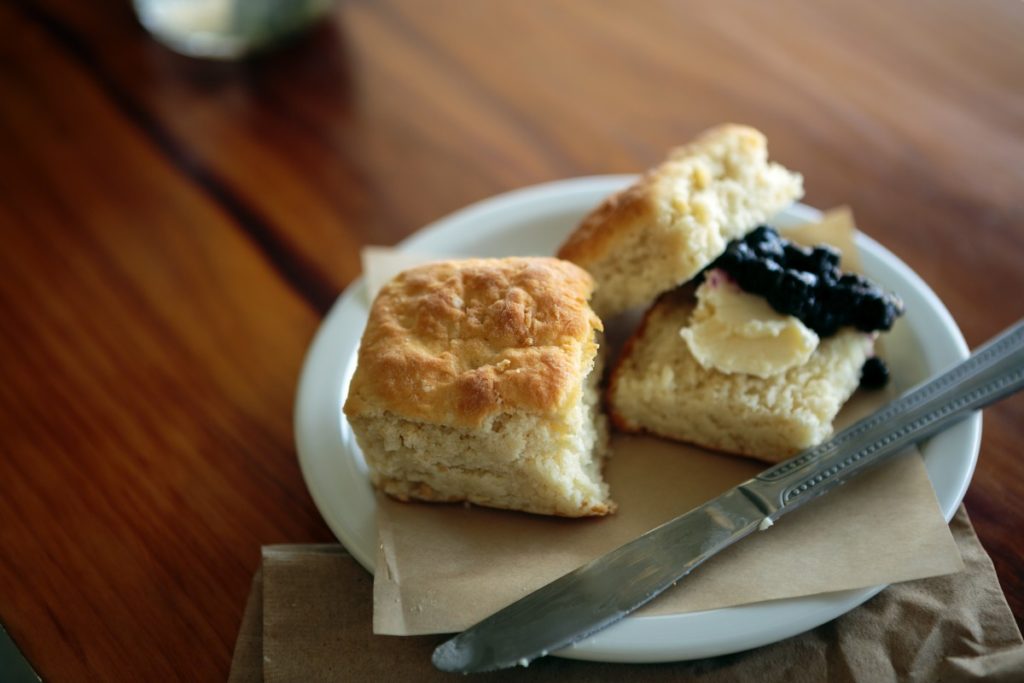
298	272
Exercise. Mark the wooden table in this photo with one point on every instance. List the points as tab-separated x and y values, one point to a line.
173	232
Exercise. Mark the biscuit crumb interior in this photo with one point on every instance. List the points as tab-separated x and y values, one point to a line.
659	387
513	461
660	232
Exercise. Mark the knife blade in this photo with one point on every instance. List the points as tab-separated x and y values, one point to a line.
601	592
14	668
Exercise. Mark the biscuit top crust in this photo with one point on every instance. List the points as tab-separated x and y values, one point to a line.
726	151
459	342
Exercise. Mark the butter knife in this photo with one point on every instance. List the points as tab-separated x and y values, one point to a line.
14	668
608	588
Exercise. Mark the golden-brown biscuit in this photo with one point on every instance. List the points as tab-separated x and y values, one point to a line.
679	216
477	381
659	387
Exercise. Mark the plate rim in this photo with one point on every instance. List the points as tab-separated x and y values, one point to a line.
635	638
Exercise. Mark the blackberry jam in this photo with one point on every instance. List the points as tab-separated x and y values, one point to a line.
806	283
874	374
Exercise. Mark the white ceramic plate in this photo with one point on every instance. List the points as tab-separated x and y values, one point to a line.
534	221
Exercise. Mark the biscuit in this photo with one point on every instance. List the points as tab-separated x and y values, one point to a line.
658	387
477	381
679	216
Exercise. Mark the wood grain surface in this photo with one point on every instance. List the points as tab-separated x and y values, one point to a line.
174	230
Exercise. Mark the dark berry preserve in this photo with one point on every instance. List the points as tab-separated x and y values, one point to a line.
874	374
806	283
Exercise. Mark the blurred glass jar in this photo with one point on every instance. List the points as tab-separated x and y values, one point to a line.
226	29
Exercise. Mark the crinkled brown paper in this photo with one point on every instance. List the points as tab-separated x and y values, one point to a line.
442	568
309	613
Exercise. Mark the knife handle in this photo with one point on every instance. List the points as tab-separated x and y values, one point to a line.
994	371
